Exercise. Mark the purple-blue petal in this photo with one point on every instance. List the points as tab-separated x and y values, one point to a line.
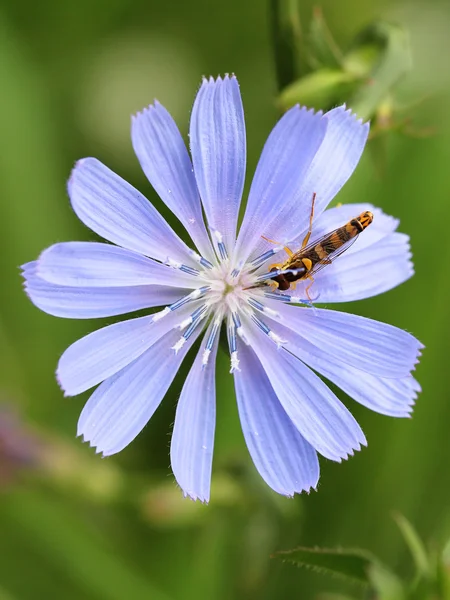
191	449
92	264
116	211
122	405
164	158
284	162
284	459
91	302
102	353
359	275
327	172
315	411
218	147
393	397
366	344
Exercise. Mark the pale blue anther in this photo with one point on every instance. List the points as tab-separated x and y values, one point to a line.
182	301
190	330
232	338
206	263
198	312
189	270
212	336
256	304
222	250
263	257
261	324
275	296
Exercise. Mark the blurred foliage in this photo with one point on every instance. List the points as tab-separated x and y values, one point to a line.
313	70
430	580
75	526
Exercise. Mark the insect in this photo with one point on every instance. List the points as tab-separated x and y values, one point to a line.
311	258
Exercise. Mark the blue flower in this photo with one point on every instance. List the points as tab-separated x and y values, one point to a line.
288	413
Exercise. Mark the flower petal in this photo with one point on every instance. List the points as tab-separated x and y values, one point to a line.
116	211
337	158
358	275
284	459
165	160
283	165
191	449
368	345
122	405
104	352
316	412
218	147
91	303
393	397
92	264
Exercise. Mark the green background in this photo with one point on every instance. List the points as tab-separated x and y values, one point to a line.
76	526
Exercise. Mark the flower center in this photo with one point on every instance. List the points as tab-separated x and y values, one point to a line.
226	293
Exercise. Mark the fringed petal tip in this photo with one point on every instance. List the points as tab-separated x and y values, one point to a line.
343	109
306	110
194	497
59	381
418	354
219	79
298	490
155	105
98	450
81	162
362	443
28	271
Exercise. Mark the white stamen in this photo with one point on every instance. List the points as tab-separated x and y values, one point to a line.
276	338
179	345
205	357
234	362
159	315
185	323
241	333
195	294
272	313
218	236
173	263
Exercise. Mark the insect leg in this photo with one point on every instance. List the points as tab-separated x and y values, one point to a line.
311	217
308	288
285	248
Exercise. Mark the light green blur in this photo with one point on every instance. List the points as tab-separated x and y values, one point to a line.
80	527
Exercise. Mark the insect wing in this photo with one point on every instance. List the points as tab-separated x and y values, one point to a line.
332	252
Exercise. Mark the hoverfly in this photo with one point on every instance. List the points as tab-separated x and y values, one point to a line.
313	257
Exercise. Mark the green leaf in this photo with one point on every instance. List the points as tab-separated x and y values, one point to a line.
443	577
352	564
386	584
415	546
288	42
384	49
321	89
325	52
